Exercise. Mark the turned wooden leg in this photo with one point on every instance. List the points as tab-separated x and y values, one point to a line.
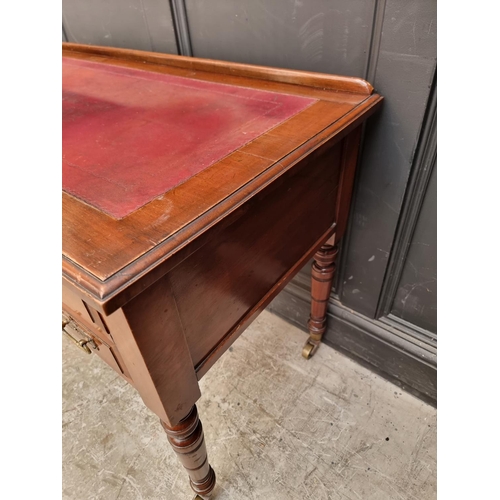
323	270
187	440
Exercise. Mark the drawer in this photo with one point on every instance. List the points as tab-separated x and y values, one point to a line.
86	340
86	316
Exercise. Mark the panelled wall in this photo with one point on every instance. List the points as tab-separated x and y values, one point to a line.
383	305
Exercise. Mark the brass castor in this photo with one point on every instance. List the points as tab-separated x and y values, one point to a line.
309	349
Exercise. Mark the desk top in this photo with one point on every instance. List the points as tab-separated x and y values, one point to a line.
158	148
131	135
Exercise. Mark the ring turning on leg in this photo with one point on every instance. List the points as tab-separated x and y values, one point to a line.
188	441
323	270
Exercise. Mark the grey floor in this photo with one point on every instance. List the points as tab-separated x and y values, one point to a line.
276	426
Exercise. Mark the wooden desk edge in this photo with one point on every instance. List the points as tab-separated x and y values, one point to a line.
109	295
306	78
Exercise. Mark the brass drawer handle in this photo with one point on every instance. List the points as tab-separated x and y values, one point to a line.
82	344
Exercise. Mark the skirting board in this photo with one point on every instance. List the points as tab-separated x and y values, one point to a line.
407	362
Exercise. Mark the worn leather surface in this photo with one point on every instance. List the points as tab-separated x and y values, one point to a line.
130	135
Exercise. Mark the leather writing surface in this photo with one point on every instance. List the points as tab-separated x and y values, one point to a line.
131	135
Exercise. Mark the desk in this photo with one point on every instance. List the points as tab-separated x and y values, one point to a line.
193	191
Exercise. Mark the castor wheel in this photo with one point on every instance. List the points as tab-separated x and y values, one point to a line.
308	350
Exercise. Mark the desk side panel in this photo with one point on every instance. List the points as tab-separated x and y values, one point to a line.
144	342
220	284
151	340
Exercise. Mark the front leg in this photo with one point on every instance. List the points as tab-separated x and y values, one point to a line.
323	270
188	441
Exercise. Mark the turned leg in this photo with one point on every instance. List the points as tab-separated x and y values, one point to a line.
187	440
323	270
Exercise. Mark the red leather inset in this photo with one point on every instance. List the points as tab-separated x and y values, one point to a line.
131	135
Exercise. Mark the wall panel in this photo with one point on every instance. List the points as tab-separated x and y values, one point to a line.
403	75
315	35
416	297
134	24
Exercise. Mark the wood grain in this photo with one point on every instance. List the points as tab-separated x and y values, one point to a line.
330	82
188	442
322	273
150	338
217	285
349	161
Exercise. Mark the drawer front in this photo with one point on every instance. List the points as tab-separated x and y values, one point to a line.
86	316
86	339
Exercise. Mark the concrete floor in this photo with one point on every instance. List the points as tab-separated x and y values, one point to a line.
277	427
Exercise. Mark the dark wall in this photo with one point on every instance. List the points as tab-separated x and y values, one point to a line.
133	24
415	300
317	35
383	306
402	71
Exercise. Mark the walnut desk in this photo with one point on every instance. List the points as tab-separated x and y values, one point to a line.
193	191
